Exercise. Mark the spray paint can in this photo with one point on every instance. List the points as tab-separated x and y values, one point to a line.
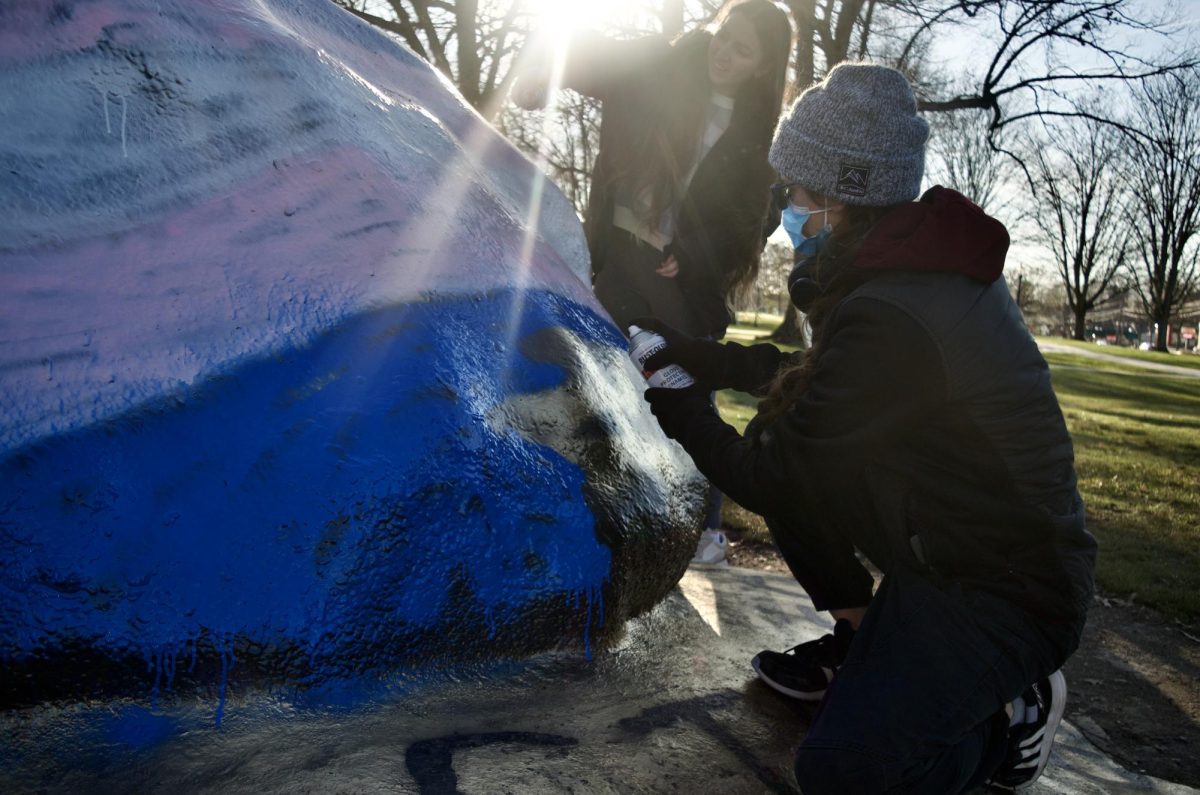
644	343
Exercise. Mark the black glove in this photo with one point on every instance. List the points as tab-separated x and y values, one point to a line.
705	360
675	409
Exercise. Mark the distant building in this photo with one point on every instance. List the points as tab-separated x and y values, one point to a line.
1121	320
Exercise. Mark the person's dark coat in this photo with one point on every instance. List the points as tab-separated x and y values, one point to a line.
928	429
720	224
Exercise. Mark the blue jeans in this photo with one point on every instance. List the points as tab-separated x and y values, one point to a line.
918	705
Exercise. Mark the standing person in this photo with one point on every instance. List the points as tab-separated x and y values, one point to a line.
678	201
678	209
920	430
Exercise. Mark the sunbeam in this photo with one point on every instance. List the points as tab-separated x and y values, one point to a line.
557	67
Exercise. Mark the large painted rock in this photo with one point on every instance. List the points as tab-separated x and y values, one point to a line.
300	368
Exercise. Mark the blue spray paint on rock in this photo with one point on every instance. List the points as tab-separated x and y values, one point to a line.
340	502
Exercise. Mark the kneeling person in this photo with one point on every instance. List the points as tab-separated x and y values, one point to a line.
920	430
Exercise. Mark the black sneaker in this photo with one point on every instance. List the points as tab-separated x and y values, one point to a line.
805	671
1031	736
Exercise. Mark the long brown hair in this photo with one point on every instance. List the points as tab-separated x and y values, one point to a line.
665	148
838	277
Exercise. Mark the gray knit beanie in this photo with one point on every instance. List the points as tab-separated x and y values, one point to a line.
854	137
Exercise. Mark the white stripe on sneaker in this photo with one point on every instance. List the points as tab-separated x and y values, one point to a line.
1033	739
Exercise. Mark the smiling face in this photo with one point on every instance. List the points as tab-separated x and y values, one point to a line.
735	55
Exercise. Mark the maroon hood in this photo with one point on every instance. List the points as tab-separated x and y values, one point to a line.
944	231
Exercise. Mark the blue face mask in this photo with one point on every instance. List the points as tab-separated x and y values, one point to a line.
793	221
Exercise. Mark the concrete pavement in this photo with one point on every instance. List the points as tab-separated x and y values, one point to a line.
674	707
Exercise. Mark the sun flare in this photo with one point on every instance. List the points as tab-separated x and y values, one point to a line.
561	17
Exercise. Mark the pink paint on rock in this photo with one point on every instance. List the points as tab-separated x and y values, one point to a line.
76	28
72	27
273	263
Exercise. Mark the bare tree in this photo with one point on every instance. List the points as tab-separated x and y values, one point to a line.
1081	213
961	156
1032	70
1041	302
1166	185
1033	45
1030	67
564	137
472	42
824	32
1022	289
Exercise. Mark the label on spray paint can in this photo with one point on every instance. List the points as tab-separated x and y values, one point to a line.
643	344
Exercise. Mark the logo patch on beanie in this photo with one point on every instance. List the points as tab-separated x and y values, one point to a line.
853	180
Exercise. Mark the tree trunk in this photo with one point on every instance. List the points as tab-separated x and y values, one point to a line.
465	13
1080	319
1162	327
789	331
804	14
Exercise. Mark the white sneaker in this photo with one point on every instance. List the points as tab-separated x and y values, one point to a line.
711	549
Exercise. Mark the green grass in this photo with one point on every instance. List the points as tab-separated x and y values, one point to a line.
765	322
1137	452
737	408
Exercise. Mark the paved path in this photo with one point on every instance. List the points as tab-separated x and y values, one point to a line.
674	707
1045	346
1172	369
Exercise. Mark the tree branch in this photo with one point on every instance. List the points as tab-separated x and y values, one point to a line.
402	28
